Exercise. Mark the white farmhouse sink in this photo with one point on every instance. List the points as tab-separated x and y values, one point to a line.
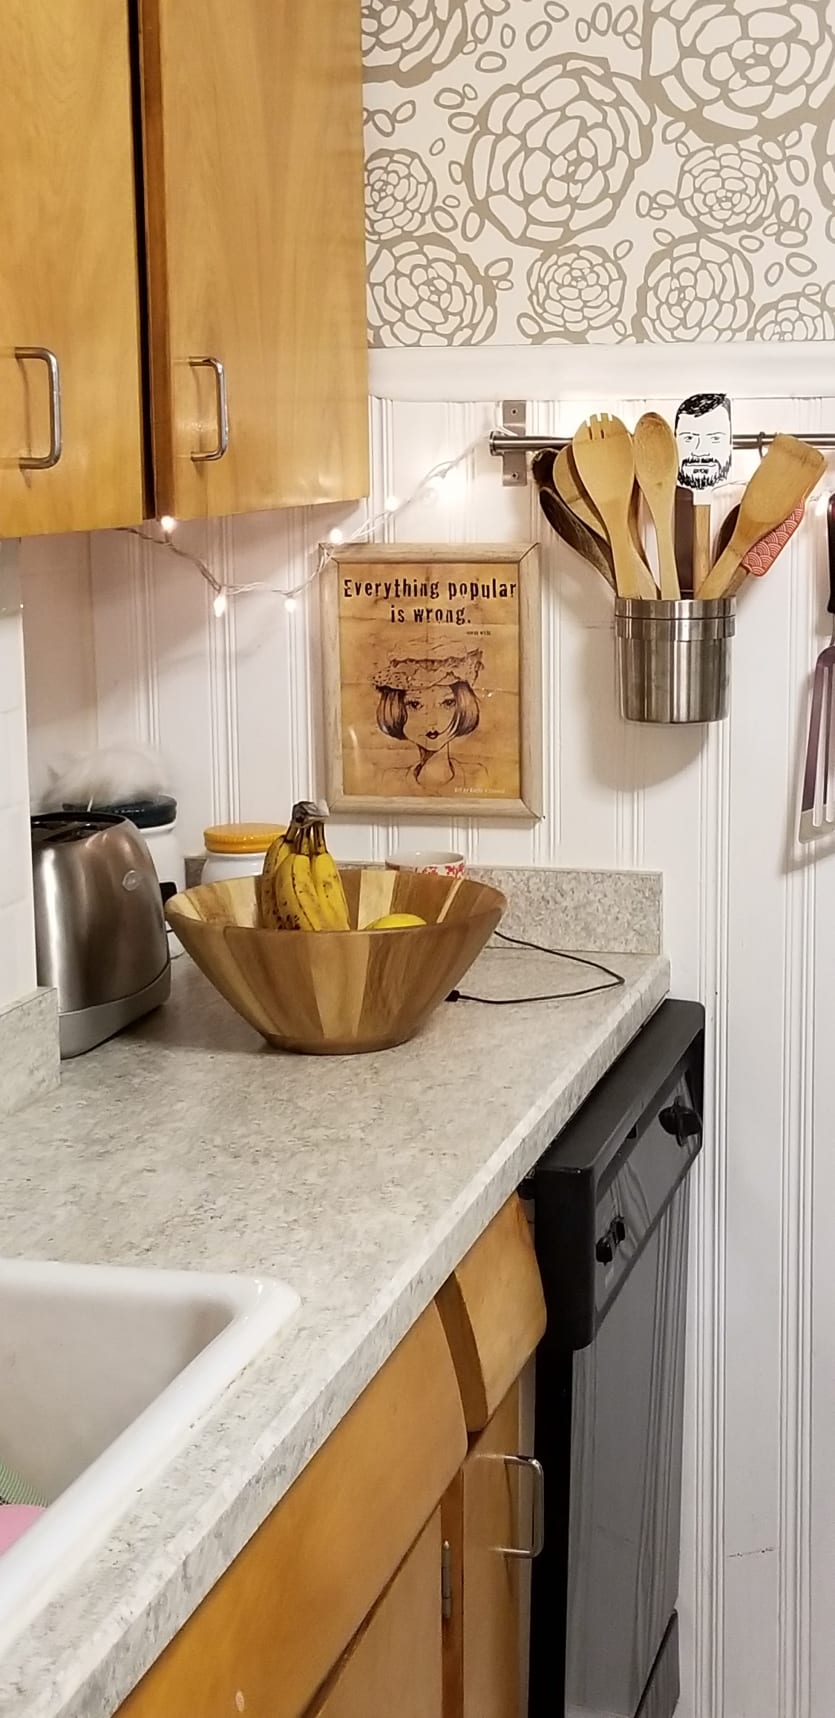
103	1370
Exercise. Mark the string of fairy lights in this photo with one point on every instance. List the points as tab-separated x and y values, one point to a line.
440	482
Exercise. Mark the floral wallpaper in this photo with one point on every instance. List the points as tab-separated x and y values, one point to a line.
579	170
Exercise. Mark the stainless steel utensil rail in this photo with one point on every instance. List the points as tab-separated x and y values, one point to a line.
502	442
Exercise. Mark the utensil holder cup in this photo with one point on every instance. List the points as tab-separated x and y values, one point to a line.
673	659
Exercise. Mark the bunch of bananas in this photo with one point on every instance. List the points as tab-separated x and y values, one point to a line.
300	888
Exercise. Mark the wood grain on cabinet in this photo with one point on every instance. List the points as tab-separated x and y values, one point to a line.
68	270
253	156
392	1668
276	1623
493	1311
483	1635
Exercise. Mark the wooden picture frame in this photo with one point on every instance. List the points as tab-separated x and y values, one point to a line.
432	679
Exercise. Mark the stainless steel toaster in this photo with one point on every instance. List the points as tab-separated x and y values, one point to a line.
99	926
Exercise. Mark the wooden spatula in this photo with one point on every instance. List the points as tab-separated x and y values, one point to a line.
705	447
605	461
566	524
785	476
761	558
656	469
566	481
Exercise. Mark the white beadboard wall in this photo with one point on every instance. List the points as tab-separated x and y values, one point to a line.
17	946
122	642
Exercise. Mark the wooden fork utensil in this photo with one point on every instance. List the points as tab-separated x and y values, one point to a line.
605	461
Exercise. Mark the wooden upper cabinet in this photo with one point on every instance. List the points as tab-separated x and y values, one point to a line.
68	270
256	260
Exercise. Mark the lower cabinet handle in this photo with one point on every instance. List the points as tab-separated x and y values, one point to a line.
56	440
220	449
534	1468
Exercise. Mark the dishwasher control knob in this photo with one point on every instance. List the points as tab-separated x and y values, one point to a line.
609	1242
681	1121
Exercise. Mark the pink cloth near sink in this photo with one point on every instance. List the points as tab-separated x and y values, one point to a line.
15	1518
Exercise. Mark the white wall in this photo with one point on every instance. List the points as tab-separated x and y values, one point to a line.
17	949
750	924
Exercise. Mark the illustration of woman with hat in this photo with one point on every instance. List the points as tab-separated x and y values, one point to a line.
430	701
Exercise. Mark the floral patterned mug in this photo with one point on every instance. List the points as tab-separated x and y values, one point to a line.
438	863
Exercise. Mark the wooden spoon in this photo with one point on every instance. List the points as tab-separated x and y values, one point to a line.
566	524
656	469
567	483
605	462
785	476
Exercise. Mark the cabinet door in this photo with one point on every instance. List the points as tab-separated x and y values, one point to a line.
484	1513
394	1664
256	256
68	274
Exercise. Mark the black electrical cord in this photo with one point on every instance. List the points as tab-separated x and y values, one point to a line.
616	978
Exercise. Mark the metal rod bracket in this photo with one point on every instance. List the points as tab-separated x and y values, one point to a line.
514	462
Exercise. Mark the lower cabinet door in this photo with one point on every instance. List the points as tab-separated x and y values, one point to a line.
487	1512
392	1668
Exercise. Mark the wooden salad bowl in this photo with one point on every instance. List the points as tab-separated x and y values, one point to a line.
336	993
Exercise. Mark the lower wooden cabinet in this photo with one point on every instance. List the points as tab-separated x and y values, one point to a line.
266	1637
392	1668
385	1584
487	1512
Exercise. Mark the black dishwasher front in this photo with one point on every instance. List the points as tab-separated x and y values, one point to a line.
610	1212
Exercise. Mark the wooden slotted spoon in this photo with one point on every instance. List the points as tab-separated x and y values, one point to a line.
567	482
786	474
656	469
605	461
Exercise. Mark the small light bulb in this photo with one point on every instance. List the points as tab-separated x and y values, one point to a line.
167	524
290	605
451	486
392	503
219	604
335	536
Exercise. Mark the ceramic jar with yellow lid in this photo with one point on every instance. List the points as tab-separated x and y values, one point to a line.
237	849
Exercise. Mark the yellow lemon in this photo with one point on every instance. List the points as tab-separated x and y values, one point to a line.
395	922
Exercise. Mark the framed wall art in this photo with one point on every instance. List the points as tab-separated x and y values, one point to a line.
432	679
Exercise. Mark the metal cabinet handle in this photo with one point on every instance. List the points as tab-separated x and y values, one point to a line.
56	440
534	1468
222	407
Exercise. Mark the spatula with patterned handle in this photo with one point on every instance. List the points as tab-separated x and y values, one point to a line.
656	469
786	475
605	461
763	555
705	448
817	805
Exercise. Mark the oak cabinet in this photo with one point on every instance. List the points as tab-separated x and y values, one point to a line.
182	271
256	255
393	1666
275	1625
491	1521
391	1578
70	376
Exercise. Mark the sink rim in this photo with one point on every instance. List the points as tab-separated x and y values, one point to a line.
73	1527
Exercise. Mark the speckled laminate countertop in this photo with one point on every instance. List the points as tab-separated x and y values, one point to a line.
361	1181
